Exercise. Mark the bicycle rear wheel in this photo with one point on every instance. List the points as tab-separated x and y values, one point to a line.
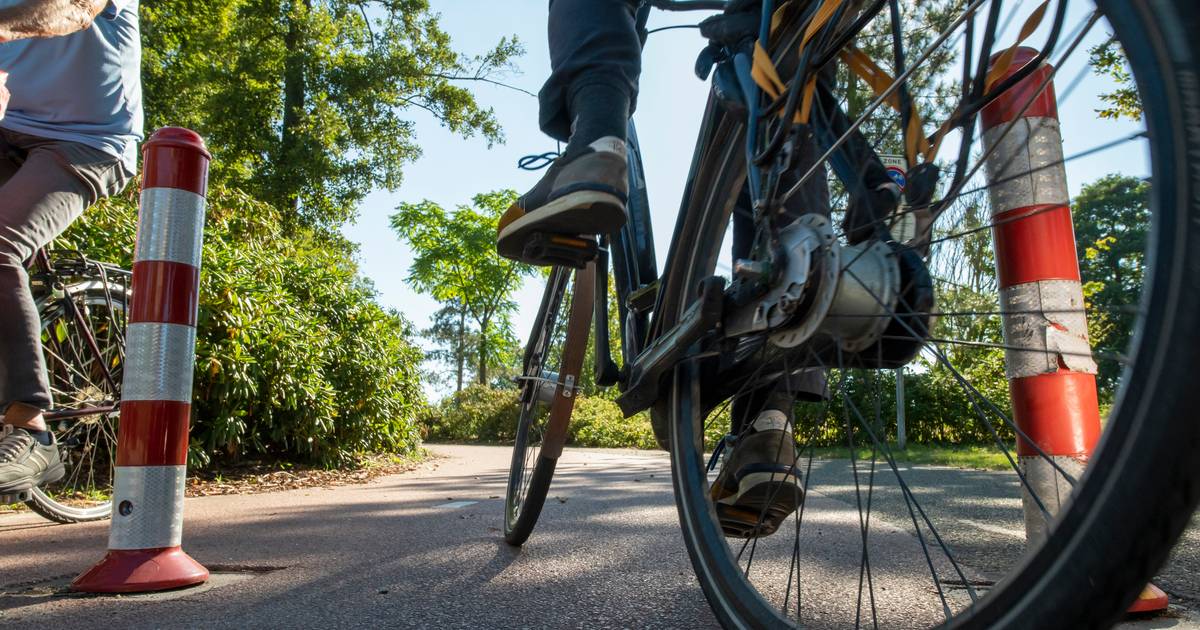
553	359
78	383
855	550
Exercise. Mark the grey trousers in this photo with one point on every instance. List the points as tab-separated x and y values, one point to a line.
44	185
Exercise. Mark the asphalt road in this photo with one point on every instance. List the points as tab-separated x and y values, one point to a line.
424	549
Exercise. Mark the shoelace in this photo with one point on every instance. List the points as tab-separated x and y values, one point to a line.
13	445
538	161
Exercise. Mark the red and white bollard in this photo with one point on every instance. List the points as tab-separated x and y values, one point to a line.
144	552
1052	379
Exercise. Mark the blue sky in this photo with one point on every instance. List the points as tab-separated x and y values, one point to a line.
453	169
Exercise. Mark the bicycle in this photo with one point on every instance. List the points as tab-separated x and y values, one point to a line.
83	305
691	345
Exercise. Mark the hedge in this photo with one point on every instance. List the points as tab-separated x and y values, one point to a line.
295	359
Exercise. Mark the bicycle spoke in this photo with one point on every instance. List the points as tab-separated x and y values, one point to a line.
983	417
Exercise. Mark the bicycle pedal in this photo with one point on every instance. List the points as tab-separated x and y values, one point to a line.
561	249
16	497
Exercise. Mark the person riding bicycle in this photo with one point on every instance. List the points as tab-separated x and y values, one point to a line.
595	56
70	121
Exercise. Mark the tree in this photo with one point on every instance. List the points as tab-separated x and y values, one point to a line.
306	103
1124	102
456	344
1112	224
933	94
455	262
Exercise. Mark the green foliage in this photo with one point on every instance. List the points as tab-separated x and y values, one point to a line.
1108	59
937	408
975	457
480	413
294	359
477	413
598	422
307	103
1112	224
455	262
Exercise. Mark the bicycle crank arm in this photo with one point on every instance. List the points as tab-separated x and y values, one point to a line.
652	364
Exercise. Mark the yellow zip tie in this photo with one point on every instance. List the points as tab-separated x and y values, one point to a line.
806	105
915	142
1005	60
777	16
823	15
820	19
764	73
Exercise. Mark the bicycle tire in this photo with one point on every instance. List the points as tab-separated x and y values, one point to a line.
94	294
1141	485
528	486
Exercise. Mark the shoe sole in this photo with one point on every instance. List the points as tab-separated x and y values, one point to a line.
771	497
588	212
50	475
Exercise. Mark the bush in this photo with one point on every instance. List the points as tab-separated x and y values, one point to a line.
294	358
485	414
477	413
598	422
938	409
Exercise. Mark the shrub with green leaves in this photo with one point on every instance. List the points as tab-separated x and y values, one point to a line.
294	357
488	414
598	422
478	413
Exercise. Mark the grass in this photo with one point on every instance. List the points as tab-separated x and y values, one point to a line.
976	457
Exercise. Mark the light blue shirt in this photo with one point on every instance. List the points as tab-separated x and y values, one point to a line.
84	87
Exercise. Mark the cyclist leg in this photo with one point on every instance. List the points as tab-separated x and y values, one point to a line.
759	485
595	59
52	183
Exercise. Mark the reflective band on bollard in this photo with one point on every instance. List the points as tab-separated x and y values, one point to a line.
1052	376
144	552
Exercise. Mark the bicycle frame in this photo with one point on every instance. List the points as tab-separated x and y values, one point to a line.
634	264
648	349
43	269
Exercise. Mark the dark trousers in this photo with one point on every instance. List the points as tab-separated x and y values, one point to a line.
596	41
591	41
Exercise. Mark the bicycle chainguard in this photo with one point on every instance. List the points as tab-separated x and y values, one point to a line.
561	250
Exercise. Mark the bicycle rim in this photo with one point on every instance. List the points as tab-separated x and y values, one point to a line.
553	360
88	444
1126	510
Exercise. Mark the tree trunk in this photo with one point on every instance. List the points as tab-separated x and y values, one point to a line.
293	110
460	349
483	350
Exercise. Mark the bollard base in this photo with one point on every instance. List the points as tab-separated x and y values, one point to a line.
141	571
1152	599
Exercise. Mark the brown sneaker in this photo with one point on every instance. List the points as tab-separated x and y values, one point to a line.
581	194
758	486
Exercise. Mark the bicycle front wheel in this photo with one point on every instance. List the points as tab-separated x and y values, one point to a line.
83	341
553	359
877	541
